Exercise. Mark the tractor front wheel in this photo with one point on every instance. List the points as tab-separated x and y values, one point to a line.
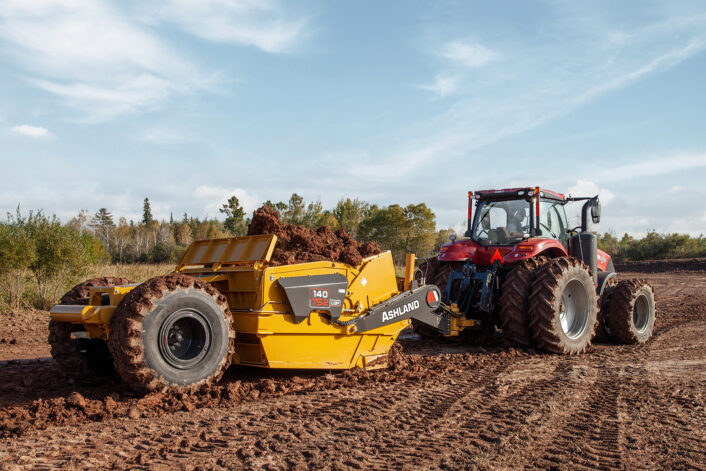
631	312
563	307
172	332
514	301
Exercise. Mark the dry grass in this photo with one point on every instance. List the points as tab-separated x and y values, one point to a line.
30	299
137	272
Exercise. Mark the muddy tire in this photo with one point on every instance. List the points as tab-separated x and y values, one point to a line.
437	274
172	332
81	358
631	312
514	302
602	330
563	307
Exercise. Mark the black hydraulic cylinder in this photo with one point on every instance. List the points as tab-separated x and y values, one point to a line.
584	246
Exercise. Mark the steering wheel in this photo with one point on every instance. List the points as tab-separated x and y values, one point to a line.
547	228
481	233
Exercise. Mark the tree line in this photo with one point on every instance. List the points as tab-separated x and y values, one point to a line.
401	229
51	255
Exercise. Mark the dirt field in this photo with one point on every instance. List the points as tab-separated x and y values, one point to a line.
439	407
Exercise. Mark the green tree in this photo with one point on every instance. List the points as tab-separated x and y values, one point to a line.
234	217
17	254
295	210
280	207
315	216
147	218
350	213
103	225
61	257
411	229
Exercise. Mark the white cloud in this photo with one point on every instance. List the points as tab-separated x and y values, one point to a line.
588	188
262	24
443	85
163	135
94	57
214	197
36	132
468	55
657	166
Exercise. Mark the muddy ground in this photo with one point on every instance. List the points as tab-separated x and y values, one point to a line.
439	407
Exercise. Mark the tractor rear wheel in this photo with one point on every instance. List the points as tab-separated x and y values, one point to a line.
514	301
563	307
436	273
172	332
602	330
631	312
81	358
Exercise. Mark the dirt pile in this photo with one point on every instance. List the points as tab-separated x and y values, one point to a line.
297	244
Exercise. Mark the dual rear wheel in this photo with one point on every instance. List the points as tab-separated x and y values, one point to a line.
561	310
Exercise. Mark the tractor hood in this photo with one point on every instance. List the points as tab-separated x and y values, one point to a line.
468	249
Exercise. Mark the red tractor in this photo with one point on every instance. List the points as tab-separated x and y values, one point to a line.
523	269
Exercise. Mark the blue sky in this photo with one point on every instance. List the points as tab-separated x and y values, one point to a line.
188	102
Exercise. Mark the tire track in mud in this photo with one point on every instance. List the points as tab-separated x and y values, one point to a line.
503	417
681	418
590	437
407	410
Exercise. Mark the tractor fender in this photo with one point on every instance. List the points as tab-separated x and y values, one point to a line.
603	277
531	248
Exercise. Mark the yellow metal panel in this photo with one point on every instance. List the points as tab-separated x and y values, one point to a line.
233	250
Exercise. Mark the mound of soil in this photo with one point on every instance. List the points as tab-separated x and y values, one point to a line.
297	244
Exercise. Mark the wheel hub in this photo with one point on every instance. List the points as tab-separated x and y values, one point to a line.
184	338
574	309
641	314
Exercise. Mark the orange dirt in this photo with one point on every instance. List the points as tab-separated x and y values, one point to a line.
296	244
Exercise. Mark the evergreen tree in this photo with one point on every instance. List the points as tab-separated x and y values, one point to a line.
147	213
103	225
234	216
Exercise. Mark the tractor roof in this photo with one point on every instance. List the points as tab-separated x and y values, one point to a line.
515	193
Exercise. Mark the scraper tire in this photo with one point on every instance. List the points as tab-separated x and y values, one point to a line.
172	332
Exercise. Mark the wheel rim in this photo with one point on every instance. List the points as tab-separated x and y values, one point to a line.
184	338
641	313
573	315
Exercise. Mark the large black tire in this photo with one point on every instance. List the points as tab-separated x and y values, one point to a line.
437	273
563	307
83	359
514	301
172	332
631	312
602	330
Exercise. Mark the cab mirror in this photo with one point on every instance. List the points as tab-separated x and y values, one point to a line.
596	212
452	237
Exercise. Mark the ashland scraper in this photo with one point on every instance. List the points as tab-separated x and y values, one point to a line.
224	304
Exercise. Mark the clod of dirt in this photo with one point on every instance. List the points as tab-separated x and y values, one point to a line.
297	244
76	400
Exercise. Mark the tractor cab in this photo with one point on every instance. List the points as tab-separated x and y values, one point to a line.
515	224
508	217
